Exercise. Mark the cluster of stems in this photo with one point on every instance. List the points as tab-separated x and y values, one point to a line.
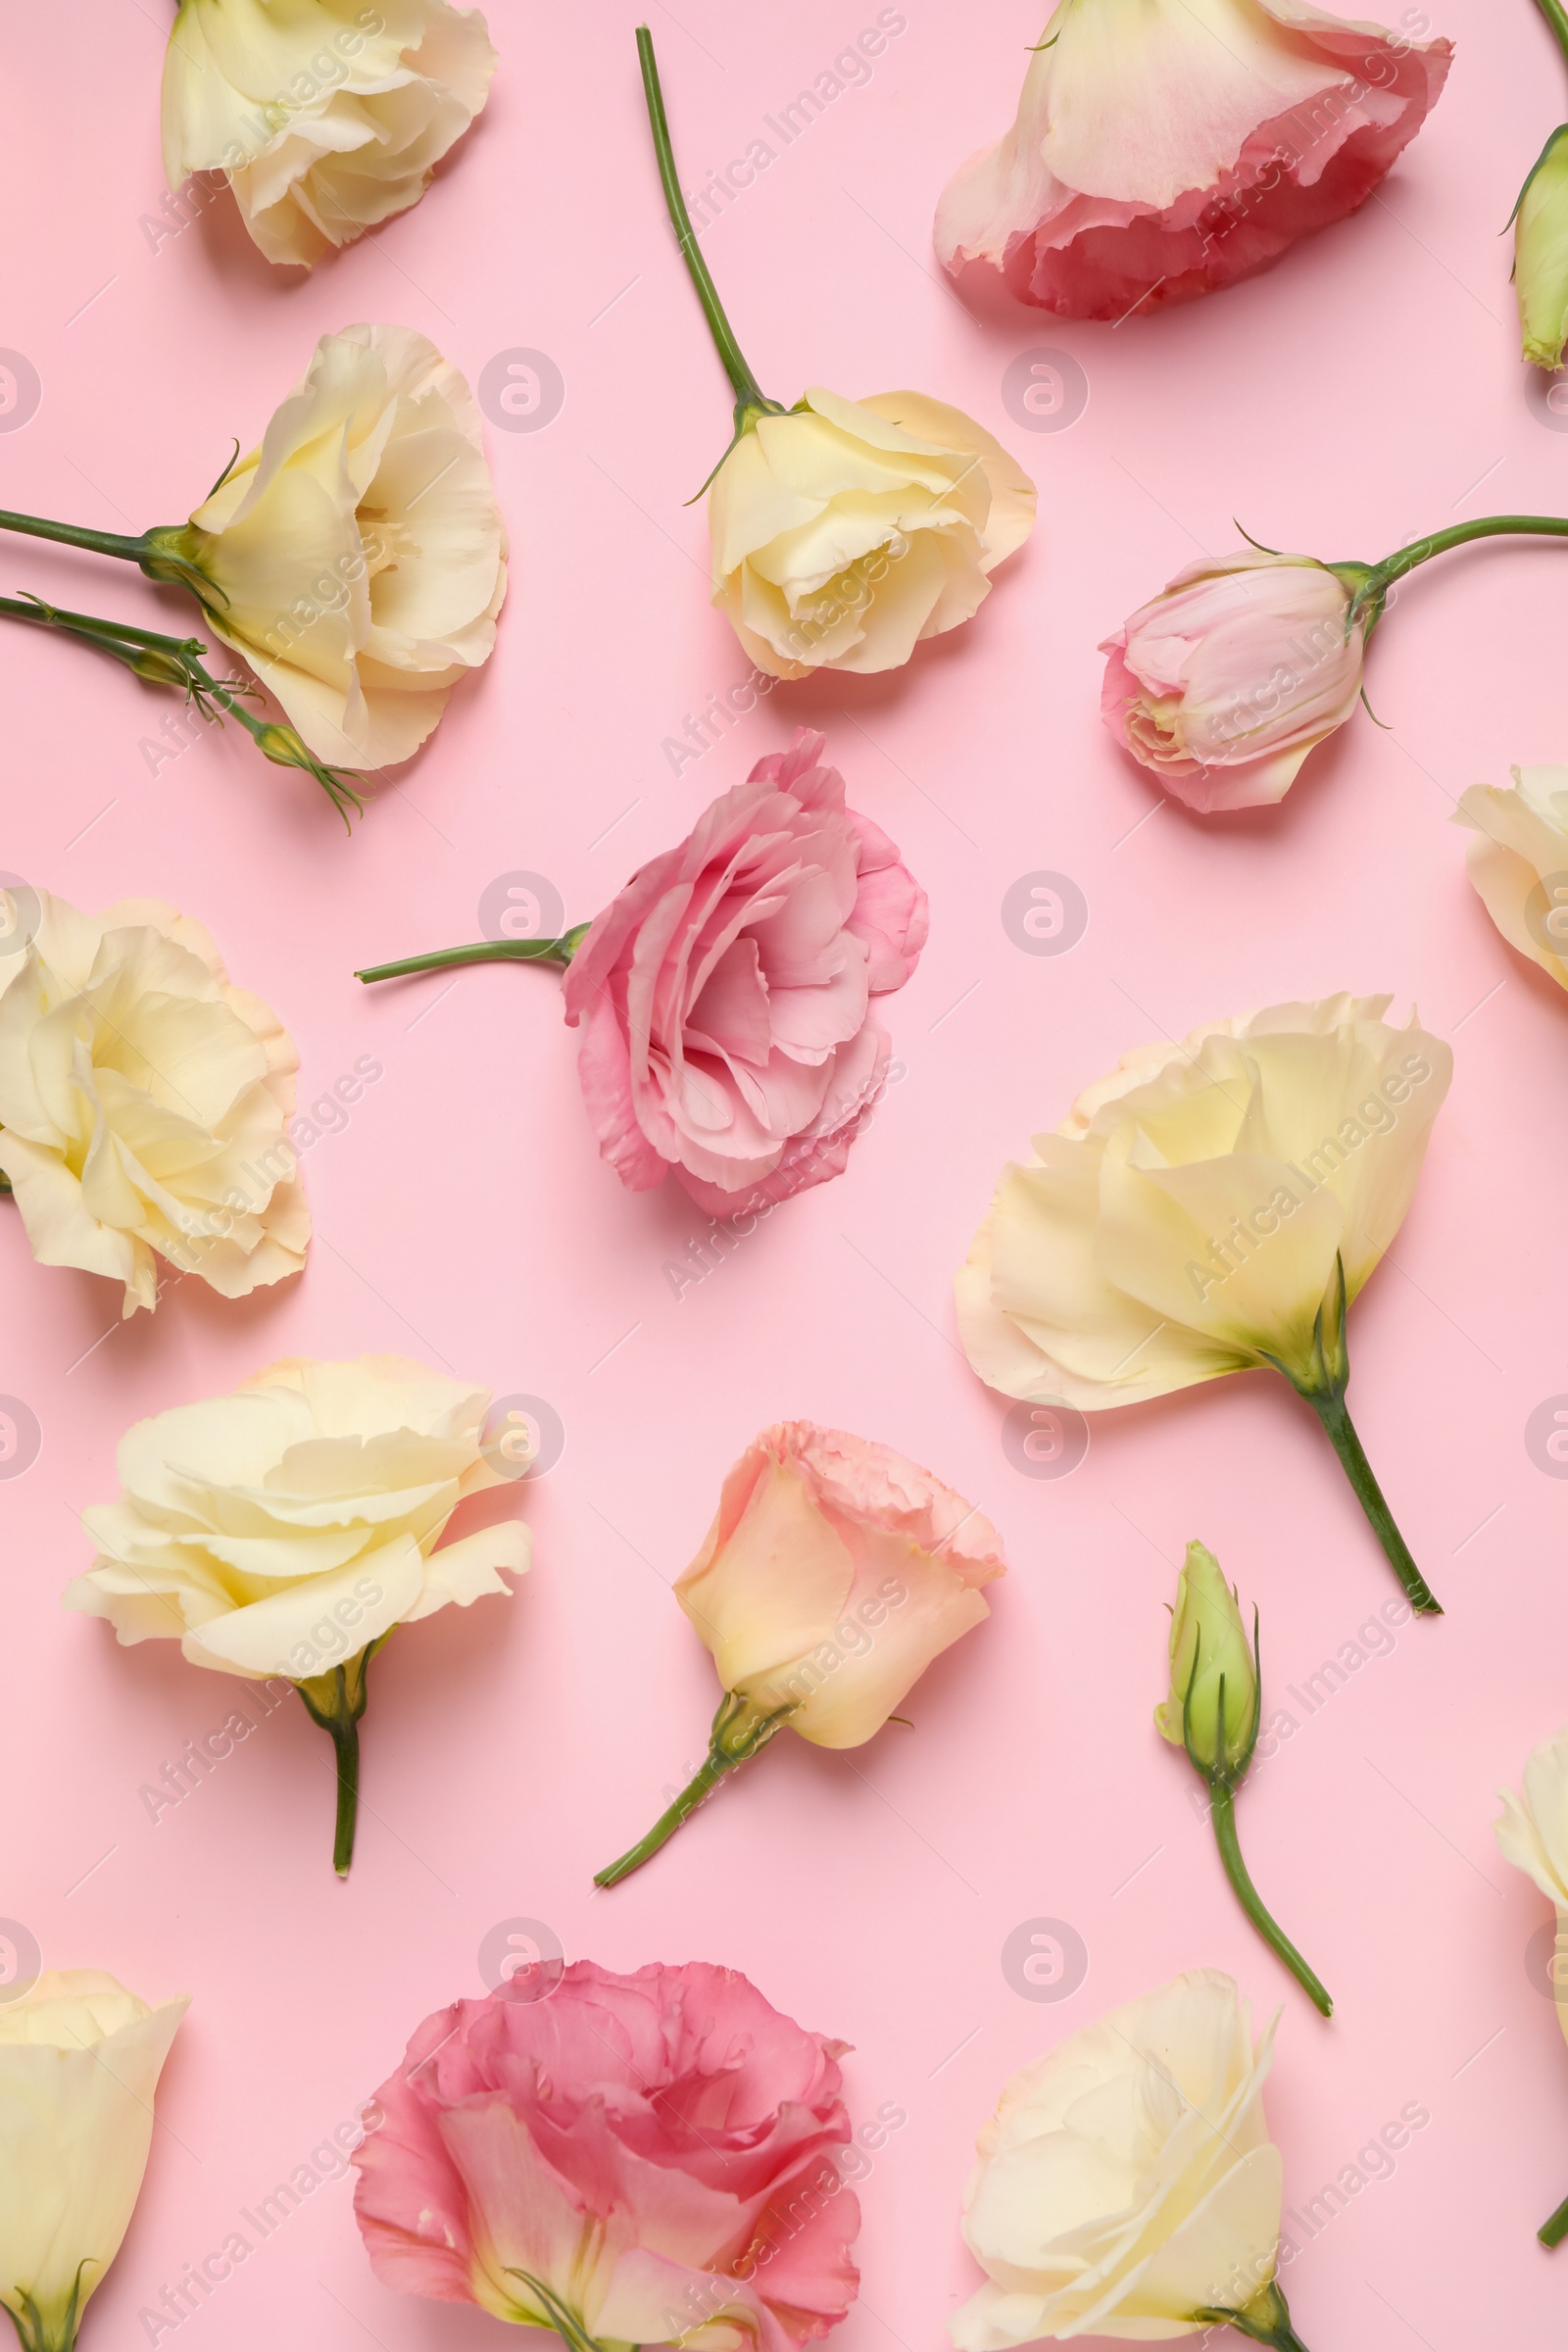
164	660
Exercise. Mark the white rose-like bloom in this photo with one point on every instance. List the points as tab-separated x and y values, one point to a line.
328	117
1519	862
144	1102
847	530
79	2062
1186	1218
282	1529
359	554
1127	2183
1533	1834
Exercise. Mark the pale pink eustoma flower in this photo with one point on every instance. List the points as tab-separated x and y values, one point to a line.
1165	148
1224	681
645	2159
834	1572
724	996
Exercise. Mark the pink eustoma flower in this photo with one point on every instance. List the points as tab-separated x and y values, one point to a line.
1226	680
645	2159
724	997
1165	148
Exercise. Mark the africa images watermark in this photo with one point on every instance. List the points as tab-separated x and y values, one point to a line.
1378	1115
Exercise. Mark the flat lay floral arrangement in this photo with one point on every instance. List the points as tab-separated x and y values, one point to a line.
930	1548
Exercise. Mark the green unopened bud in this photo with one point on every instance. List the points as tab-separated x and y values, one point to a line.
1213	1662
1541	254
285	748
164	669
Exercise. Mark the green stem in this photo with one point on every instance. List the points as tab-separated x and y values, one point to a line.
749	394
177	662
70	534
740	1729
1223	1810
1332	1411
1552	2232
336	1700
1557	18
484	951
1372	593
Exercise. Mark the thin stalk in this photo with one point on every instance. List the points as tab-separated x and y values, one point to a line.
1552	2232
1223	1810
71	534
1372	595
1331	1409
1557	18
749	394
740	1727
336	1700
484	951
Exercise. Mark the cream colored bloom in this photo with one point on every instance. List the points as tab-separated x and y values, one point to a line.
1186	1219
79	2062
1533	1834
359	554
282	1529
1519	862
1541	254
328	117
1127	2182
847	530
144	1103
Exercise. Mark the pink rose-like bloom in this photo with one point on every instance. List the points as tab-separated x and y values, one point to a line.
833	1573
724	996
1224	681
656	2151
1165	148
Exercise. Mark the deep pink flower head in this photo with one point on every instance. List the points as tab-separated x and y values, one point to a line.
1225	681
1166	148
724	997
654	2152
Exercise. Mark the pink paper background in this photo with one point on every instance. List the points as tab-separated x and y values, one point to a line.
1368	389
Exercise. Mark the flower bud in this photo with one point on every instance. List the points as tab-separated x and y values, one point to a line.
163	668
283	747
1210	1649
1541	254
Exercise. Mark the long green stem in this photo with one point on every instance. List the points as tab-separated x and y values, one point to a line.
1557	18
71	534
749	394
1552	2232
740	1729
1332	1411
1372	593
483	951
177	662
1223	1810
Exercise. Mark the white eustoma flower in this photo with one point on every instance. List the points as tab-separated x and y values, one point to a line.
1518	861
1127	2184
79	2062
144	1102
357	558
328	117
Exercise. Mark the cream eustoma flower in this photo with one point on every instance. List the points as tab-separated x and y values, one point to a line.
842	531
1541	254
846	532
1127	2184
1209	1206
1533	1834
357	559
325	115
1519	862
288	1529
79	2062
144	1102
